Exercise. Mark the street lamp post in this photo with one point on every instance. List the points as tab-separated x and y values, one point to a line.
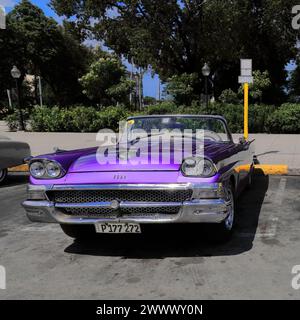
16	74
206	73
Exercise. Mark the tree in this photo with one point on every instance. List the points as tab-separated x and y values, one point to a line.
182	88
261	83
177	36
148	101
106	82
39	46
294	83
229	96
259	87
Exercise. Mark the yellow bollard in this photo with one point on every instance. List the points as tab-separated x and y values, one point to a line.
246	110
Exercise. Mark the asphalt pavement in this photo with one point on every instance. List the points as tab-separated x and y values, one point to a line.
166	263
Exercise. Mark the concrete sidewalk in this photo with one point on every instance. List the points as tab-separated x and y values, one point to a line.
3	126
269	148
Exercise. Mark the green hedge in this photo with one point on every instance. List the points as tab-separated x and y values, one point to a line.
76	119
262	118
285	119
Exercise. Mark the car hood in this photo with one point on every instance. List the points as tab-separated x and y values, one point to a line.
156	159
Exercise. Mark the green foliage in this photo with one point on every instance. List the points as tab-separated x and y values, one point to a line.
229	96
105	81
12	120
76	119
177	37
183	88
258	116
261	83
3	111
262	118
165	107
120	91
285	119
149	101
294	83
38	45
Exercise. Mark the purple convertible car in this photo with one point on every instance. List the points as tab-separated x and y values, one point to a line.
160	170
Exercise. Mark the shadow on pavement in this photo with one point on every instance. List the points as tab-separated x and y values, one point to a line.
164	241
14	179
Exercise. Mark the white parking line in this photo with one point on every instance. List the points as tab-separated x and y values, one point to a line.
269	232
270	229
271	226
280	191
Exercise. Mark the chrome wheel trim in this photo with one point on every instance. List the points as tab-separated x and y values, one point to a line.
2	174
230	208
250	178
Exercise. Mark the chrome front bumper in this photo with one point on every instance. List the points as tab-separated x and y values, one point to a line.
207	205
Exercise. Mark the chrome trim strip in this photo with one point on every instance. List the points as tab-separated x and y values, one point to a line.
122	186
122	204
169	186
129	204
38	187
84	205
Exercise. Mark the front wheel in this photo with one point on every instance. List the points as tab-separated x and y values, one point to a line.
250	178
222	232
3	175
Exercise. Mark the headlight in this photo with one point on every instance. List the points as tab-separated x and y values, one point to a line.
37	169
198	167
53	170
46	169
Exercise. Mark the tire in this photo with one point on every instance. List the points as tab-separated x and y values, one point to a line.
223	232
80	232
250	178
3	175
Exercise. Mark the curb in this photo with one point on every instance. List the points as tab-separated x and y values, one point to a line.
266	169
272	169
21	168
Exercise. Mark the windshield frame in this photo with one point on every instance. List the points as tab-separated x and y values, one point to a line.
216	117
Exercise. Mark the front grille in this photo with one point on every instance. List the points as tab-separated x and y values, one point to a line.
111	213
81	196
86	196
89	212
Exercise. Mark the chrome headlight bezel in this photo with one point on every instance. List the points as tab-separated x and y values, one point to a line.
45	168
37	169
192	163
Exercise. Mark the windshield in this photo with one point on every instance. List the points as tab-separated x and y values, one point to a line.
213	129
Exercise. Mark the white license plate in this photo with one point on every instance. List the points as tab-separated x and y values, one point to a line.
109	227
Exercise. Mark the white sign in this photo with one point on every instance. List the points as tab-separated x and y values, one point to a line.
245	79
246	71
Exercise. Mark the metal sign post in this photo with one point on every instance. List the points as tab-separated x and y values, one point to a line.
246	78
